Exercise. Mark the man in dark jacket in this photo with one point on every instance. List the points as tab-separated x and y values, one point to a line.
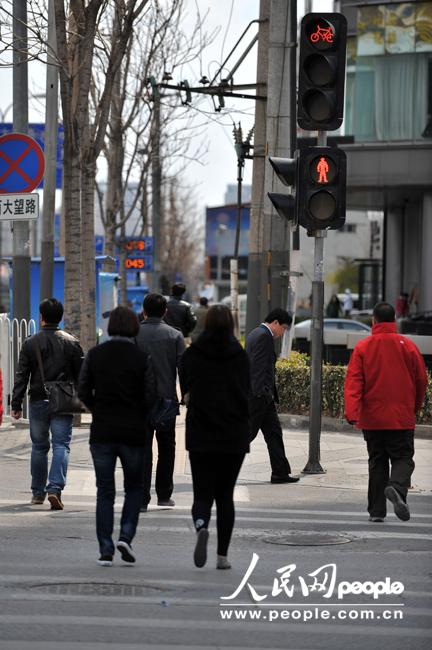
164	345
179	313
262	358
61	356
384	388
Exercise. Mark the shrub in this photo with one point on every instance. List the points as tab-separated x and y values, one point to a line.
293	382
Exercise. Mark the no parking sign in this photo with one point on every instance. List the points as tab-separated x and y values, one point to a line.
22	163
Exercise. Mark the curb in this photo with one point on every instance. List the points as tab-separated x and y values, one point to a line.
338	424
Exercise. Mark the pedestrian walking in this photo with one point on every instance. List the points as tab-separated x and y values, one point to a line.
334	309
165	345
348	303
117	385
264	395
384	388
402	305
61	357
201	315
214	380
179	312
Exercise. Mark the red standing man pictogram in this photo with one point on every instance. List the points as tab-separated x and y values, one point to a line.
322	169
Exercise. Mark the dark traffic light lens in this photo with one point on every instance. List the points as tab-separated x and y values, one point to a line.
320	70
318	106
322	205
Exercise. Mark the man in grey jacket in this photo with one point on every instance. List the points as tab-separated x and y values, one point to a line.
165	345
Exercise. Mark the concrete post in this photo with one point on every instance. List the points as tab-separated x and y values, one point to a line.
425	289
21	229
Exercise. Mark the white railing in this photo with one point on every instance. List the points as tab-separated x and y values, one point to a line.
12	335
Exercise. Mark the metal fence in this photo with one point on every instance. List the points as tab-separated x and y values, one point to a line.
12	335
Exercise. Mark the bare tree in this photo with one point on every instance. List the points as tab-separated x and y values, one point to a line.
162	47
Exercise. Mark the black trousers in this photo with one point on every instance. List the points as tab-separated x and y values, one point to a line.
263	415
388	447
164	485
214	477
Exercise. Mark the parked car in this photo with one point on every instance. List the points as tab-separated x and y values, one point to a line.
343	325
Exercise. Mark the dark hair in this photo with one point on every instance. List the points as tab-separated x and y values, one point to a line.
51	311
178	289
123	321
154	305
219	320
279	314
383	312
203	301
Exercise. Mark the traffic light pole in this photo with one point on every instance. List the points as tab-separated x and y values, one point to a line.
313	465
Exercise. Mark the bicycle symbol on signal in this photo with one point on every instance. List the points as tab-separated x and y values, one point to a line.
325	34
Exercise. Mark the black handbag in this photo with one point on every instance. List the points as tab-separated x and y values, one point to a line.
62	394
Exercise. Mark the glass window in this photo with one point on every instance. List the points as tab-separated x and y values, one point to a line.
387	79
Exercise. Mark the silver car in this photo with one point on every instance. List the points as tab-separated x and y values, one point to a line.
333	325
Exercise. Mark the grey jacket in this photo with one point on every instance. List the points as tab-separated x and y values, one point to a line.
165	345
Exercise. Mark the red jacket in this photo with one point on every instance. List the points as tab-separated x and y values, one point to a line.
386	381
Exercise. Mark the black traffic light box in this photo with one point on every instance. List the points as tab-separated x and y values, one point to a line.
287	170
321	188
321	79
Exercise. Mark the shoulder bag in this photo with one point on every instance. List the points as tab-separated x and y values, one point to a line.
62	394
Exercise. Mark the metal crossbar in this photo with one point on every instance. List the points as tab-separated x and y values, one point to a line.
12	335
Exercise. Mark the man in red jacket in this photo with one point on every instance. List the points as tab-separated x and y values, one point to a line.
384	388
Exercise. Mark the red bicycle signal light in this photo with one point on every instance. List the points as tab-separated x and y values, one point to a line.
321	80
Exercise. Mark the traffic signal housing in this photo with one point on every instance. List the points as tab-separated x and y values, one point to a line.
321	79
321	188
286	170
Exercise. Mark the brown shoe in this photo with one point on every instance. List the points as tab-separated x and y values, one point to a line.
37	499
55	501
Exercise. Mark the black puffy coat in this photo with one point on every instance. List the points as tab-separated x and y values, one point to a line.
215	374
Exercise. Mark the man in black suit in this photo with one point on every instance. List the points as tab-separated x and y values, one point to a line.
263	414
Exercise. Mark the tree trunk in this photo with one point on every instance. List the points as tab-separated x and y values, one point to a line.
88	298
73	232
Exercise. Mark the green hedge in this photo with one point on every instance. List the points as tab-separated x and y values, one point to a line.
293	382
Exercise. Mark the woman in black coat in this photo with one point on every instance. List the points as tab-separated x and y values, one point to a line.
214	380
118	387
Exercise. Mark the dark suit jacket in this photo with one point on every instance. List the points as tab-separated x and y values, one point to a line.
262	359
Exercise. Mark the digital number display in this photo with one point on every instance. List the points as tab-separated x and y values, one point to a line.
136	245
134	264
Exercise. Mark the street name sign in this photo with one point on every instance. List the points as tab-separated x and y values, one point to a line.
19	207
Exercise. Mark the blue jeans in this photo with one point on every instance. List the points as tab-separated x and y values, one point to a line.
61	433
105	456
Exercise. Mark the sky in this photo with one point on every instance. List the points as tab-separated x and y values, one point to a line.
217	166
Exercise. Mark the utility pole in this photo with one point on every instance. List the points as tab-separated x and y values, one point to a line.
51	130
156	184
277	231
242	150
21	265
257	257
294	271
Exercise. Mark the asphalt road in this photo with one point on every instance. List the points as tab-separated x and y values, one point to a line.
53	594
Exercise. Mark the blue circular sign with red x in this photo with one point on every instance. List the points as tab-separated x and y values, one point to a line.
22	163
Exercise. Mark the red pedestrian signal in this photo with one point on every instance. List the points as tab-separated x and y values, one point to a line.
321	81
321	188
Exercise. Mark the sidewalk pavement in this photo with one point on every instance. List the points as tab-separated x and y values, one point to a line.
343	456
